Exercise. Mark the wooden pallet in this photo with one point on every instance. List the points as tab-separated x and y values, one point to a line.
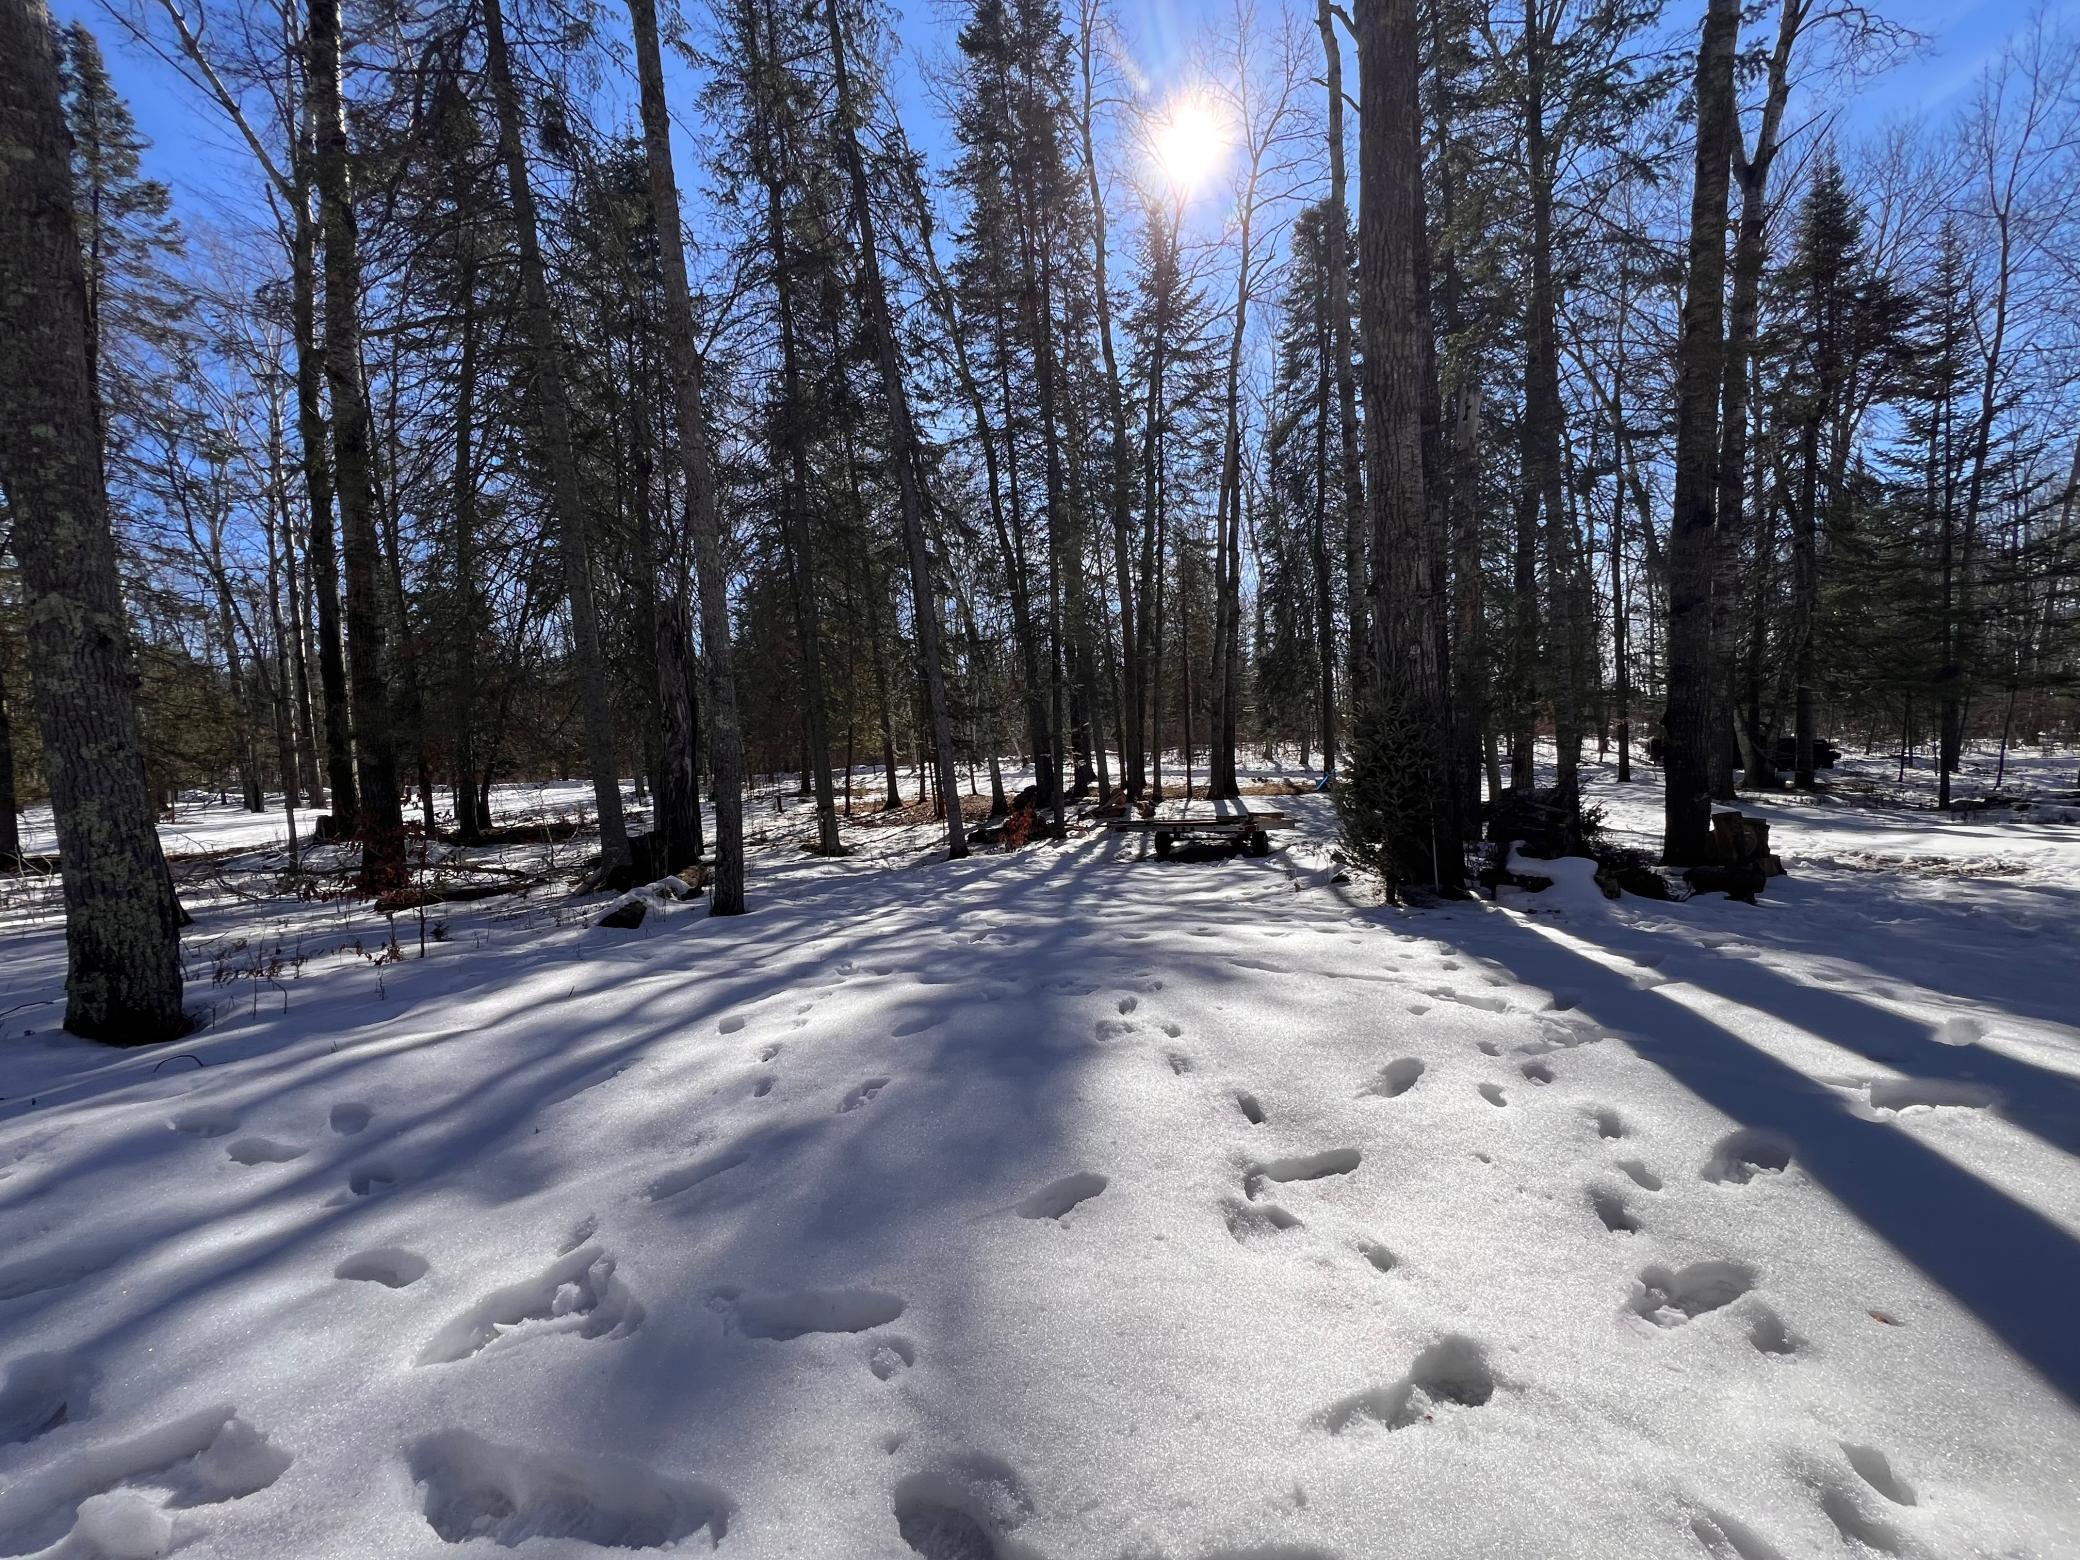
1194	816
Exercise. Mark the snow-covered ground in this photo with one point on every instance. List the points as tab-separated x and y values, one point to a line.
1071	1204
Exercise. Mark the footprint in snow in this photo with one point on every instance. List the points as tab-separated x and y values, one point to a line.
1492	1093
1727	1538
1252	1111
1536	1072
264	1151
391	1266
762	1086
371	1179
769	1053
1299	1167
576	1293
92	1507
1381	1259
1669	1299
686	1179
730	1025
1608	1125
42	1392
1875	1469
1611	1209
889	1356
961	1511
1127	1005
918	1025
864	1094
1174	1030
1450	1374
1903	1094
1058	1197
1249	1222
1114	1028
1741	1156
348	1119
1645	1179
782	1318
471	1488
206	1121
1489	1048
1180	1064
1396	1078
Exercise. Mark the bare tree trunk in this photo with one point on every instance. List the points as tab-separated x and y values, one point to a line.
559	452
378	820
704	515
1700	369
1407	692
907	456
122	937
1346	377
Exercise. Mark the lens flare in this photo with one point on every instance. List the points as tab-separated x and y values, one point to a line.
1189	142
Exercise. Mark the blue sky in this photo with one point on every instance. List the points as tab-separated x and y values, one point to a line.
211	175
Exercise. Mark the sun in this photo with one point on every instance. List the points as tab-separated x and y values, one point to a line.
1189	142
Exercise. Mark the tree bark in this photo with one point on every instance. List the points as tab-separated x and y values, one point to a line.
122	937
905	452
378	820
1700	366
703	510
1407	689
559	451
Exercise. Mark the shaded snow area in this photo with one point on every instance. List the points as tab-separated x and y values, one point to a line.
1074	1204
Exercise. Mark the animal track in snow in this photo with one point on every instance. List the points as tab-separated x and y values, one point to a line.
1299	1167
1396	1078
1724	1538
1608	1124
576	1293
206	1121
1488	1048
1382	1260
1899	1094
762	1085
686	1179
1610	1208
1249	1222
784	1317
890	1356
730	1025
1857	1526
370	1179
1418	1009
54	1270
391	1266
1056	1198
769	1053
121	1500
1174	1030
962	1511
1492	1093
1875	1469
1252	1111
918	1025
864	1094
42	1392
1670	1299
1740	1156
349	1118
1536	1072
264	1151
1450	1373
1471	999
1114	1028
1643	1178
1767	1332
471	1488
1127	1005
1179	1062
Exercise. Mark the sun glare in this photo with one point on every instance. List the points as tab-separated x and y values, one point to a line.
1190	143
